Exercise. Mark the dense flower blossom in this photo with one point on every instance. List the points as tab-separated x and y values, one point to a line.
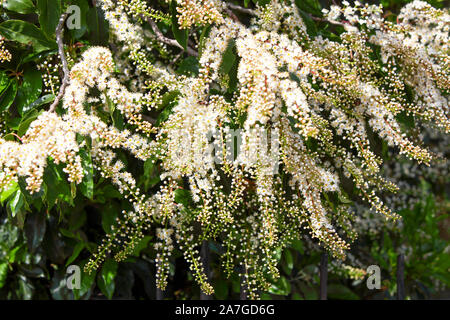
307	109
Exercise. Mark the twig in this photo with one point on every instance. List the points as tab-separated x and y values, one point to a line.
400	277
149	119
323	276
65	66
232	15
170	42
241	9
329	21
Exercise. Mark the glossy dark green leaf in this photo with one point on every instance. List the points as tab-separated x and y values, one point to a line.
3	273
281	287
58	286
35	56
106	278
19	6
188	66
31	112
141	245
310	24
25	288
16	203
26	33
6	193
26	120
35	226
87	184
261	2
298	245
183	196
310	6
109	215
181	35
288	261
56	186
97	27
29	90
221	289
49	14
76	252
203	38
8	95
87	281
228	58
4	81
341	292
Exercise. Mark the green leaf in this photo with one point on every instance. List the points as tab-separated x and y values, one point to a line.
3	273
27	119
87	184
228	58
19	6
26	288
282	287
97	27
5	194
261	2
109	215
16	203
76	252
183	196
308	292
310	6
221	289
26	33
49	14
229	65
202	40
15	255
289	260
298	245
8	96
30	89
106	279
181	35
338	291
87	280
141	245
188	66
32	114
35	227
35	56
310	25
56	186
4	81
70	234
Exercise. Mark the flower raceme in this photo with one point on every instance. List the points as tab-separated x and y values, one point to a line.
309	106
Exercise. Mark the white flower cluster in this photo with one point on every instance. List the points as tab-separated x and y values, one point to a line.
198	12
307	106
5	55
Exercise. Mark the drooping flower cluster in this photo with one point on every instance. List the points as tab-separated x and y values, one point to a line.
254	150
